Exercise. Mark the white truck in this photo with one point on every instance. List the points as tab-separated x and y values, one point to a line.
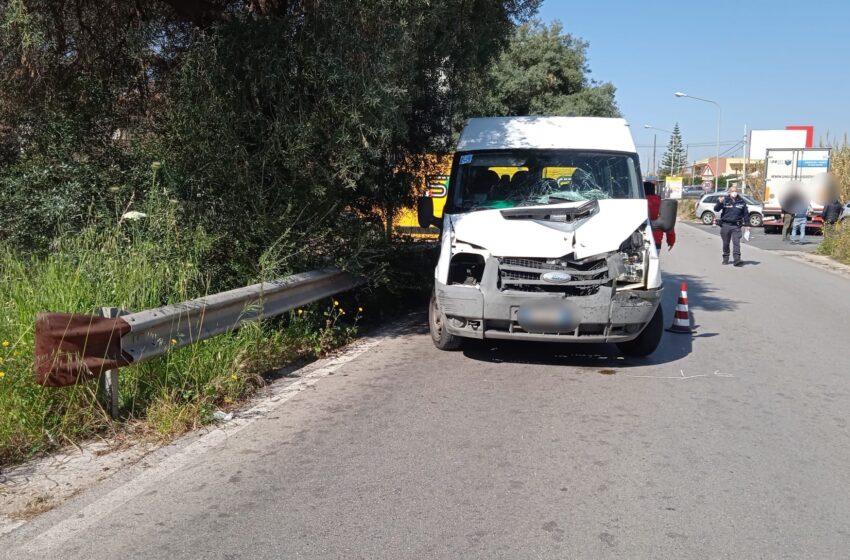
526	256
800	168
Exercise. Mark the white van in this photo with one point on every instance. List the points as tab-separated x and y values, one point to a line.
546	237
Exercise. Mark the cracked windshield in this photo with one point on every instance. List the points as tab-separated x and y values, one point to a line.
526	178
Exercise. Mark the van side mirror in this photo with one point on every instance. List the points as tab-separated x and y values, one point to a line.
425	211
666	215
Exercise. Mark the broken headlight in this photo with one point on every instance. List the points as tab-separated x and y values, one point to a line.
633	253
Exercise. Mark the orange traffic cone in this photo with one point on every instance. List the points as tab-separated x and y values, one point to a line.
682	317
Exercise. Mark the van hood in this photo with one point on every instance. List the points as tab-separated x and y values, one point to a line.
551	231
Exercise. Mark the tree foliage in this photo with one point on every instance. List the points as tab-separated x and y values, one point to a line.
265	114
544	71
674	158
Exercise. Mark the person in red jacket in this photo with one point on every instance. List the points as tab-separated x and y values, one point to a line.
654	202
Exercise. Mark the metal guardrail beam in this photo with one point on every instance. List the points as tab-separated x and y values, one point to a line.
156	331
73	348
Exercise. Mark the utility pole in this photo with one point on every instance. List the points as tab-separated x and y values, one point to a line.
746	156
654	146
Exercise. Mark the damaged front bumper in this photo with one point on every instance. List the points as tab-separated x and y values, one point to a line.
489	311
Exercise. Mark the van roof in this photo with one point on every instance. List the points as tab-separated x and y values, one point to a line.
546	133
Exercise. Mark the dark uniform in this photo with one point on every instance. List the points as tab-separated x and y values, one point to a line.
733	215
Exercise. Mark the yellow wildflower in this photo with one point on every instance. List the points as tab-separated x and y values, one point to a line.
233	377
336	303
301	312
227	400
360	310
5	344
173	341
2	374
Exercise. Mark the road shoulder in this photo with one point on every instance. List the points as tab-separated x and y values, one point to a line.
43	484
821	262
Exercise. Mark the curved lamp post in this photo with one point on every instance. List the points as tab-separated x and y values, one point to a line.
719	115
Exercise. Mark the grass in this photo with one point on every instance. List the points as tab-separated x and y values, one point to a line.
836	242
136	267
686	210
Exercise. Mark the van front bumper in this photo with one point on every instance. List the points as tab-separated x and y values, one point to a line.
487	312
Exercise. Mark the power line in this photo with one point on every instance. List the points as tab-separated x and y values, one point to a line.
696	144
733	148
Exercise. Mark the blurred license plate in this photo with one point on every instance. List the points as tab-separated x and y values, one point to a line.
548	318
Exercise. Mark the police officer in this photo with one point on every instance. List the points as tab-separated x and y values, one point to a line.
733	215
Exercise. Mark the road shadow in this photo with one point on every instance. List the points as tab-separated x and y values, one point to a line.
673	347
701	295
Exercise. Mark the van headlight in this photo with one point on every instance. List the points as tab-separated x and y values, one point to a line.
633	254
633	264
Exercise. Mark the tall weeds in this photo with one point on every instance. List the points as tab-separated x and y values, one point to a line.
134	266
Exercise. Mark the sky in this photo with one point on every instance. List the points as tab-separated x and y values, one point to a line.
768	65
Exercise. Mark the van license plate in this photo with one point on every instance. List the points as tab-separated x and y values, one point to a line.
548	318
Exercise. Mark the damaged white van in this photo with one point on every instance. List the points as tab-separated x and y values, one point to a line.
546	237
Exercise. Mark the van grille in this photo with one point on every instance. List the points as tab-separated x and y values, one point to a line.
524	274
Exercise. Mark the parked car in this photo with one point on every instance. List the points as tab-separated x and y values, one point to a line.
704	209
692	191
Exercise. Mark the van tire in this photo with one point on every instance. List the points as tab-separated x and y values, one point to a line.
707	217
648	340
436	324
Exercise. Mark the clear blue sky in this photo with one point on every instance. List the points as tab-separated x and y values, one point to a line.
768	64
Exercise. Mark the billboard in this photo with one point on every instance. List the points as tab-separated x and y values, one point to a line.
763	140
673	186
807	167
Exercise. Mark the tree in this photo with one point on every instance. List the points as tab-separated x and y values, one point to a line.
544	71
265	114
674	158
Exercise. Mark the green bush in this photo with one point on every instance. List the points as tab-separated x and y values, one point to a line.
836	242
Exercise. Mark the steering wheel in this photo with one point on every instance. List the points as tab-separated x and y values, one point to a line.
548	186
584	181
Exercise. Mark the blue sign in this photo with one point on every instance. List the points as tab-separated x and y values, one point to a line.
465	159
813	163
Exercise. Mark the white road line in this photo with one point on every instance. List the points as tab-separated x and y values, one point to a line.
102	507
681	376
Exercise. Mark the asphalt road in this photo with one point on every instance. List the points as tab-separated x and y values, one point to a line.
768	242
733	443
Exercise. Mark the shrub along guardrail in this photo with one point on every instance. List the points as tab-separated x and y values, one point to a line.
72	348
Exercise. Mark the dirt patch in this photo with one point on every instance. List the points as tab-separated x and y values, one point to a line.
819	261
32	488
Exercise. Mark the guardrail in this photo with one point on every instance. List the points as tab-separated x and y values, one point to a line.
71	348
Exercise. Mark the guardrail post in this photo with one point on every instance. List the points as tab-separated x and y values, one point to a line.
107	384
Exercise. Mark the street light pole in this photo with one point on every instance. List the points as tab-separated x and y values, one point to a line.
719	117
654	151
654	136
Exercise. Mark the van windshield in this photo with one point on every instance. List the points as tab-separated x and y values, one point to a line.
510	178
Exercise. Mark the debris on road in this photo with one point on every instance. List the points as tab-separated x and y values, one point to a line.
220	416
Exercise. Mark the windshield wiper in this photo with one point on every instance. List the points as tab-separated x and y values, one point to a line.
568	215
562	199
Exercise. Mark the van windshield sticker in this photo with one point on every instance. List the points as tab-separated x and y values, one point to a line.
465	159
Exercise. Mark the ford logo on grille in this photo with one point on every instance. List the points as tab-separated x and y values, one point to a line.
556	277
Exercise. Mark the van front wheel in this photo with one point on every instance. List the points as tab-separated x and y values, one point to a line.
437	325
648	340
